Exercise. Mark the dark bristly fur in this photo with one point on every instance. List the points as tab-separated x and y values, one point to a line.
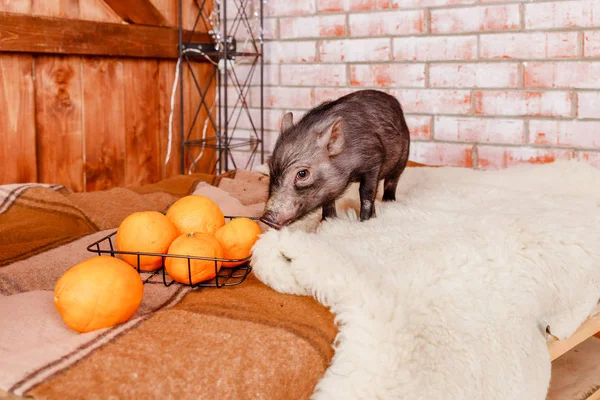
361	137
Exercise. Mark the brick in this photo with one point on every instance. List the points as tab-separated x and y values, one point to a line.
318	26
578	134
564	14
576	74
270	31
388	75
591	44
282	97
442	154
482	130
333	5
428	3
499	1
313	74
529	45
521	103
592	158
435	48
354	5
290	52
244	159
419	126
355	50
492	157
279	8
434	101
588	105
272	119
477	75
475	19
387	23
327	94
369	4
270	74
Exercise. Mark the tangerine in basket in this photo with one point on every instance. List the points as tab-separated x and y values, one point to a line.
198	245
147	232
98	293
237	238
197	214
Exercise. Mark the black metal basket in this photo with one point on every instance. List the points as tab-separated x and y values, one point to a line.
223	277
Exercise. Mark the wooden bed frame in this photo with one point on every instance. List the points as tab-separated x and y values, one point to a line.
587	330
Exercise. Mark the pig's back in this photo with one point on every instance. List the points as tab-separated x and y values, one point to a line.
375	119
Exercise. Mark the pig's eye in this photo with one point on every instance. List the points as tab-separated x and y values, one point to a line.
302	174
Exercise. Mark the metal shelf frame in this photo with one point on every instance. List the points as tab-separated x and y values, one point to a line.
222	52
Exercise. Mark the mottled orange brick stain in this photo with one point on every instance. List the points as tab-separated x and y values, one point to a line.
419	127
362	5
336	30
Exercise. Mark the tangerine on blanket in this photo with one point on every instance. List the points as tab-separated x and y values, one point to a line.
146	232
197	214
237	238
198	245
98	293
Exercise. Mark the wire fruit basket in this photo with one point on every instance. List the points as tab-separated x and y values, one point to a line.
223	277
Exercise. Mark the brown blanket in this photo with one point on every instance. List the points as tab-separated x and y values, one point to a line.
241	342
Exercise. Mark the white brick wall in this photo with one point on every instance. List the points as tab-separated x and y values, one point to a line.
484	83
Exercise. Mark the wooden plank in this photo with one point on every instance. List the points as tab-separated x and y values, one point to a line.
168	8
165	87
104	123
56	8
17	126
23	33
97	10
594	396
141	12
142	159
59	121
588	329
16	6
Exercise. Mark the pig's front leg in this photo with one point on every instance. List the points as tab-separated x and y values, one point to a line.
329	210
368	192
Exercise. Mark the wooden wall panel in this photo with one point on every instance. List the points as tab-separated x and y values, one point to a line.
97	10
165	87
93	123
56	8
59	120
16	6
17	126
142	122
104	123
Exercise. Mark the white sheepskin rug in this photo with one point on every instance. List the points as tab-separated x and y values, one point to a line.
448	293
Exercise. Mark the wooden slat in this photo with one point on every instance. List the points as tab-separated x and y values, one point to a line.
588	329
165	86
141	122
104	123
141	12
97	10
59	120
17	125
56	8
594	396
16	6
23	33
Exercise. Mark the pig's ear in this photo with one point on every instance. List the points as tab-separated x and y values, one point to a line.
287	121
333	137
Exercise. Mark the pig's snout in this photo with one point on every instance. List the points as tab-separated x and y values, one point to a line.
269	218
